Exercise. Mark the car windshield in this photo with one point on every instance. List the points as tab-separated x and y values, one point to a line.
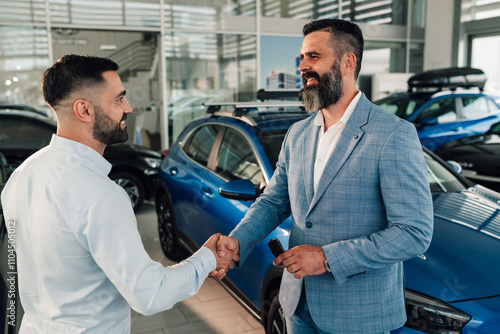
439	177
402	107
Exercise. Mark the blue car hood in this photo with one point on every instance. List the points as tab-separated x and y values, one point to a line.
463	260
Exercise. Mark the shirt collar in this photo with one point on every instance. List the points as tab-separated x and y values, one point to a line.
319	120
82	150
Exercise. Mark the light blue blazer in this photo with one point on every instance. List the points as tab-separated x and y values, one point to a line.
372	210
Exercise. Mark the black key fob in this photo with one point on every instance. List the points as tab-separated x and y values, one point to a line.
275	246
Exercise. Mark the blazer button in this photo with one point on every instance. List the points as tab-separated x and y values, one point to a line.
309	224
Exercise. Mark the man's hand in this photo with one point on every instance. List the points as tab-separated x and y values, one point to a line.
224	262
304	260
226	246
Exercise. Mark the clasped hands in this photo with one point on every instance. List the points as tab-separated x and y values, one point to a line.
304	260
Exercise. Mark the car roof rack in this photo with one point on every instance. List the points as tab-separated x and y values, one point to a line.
279	94
448	78
243	108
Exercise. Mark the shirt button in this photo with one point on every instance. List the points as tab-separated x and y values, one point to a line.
309	224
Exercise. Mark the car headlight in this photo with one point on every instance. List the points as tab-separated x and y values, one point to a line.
430	315
153	162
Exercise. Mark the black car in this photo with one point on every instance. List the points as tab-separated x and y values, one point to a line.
478	155
23	132
10	305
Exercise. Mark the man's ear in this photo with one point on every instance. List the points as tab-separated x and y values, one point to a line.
83	110
349	63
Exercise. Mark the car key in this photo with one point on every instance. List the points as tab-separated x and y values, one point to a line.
275	246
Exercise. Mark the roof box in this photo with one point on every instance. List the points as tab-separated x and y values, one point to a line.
448	78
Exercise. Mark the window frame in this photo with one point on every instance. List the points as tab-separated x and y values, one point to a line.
458	109
488	100
189	137
214	152
248	142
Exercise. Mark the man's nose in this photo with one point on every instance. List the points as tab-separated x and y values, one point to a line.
128	108
304	65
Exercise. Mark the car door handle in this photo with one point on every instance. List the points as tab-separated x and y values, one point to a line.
207	192
173	171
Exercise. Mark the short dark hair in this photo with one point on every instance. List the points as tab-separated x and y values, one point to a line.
345	37
71	72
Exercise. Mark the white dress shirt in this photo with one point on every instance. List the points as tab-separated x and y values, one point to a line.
327	141
81	261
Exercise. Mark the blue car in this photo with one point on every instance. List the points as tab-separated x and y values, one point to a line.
221	163
444	116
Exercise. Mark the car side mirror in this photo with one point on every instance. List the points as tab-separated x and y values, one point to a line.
455	166
424	121
242	190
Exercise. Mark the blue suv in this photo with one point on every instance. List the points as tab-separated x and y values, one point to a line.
443	116
221	162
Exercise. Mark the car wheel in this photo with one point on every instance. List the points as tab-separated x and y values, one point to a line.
132	185
167	229
276	322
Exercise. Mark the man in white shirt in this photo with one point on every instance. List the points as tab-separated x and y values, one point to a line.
81	261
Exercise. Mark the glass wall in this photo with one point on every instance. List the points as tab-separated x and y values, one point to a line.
473	10
206	68
373	11
485	54
24	57
481	39
206	15
176	54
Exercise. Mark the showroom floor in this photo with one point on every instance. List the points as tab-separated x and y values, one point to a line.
212	310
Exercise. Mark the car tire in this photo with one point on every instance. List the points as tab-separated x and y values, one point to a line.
167	229
276	322
132	185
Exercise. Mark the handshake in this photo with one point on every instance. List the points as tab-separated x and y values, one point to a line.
226	250
301	261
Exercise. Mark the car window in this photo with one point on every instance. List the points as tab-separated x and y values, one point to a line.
272	141
401	107
200	143
441	179
24	133
495	129
477	106
443	111
237	160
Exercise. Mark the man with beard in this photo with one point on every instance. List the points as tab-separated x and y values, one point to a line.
354	180
81	261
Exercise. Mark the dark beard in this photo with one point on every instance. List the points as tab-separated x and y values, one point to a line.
327	92
105	131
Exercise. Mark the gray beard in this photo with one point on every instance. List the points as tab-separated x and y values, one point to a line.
327	92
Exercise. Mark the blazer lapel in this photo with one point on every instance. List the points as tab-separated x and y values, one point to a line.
308	156
350	137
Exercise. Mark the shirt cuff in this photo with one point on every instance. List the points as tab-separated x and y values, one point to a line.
204	261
